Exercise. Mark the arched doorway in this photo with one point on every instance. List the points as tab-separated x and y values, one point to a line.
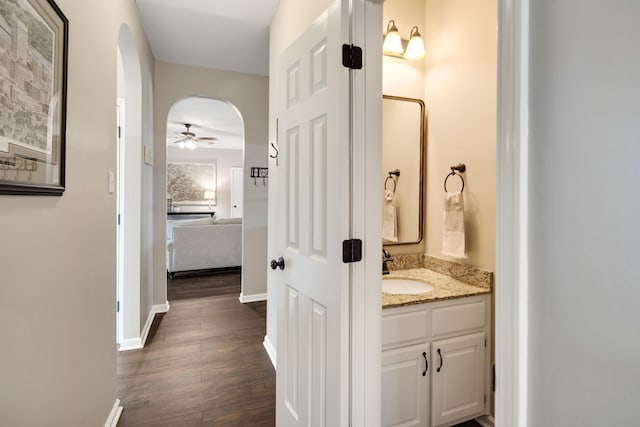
205	167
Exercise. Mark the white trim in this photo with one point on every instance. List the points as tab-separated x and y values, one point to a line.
139	342
271	351
366	281
486	421
511	214
114	415
252	298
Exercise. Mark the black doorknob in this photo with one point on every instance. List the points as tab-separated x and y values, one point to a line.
277	264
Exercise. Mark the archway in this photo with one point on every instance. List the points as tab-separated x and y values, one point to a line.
129	101
205	158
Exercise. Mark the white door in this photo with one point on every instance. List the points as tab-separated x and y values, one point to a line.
237	192
405	386
313	297
457	375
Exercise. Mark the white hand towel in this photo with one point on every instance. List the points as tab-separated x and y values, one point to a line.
389	218
453	241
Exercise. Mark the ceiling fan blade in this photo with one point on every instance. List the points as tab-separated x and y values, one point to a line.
206	138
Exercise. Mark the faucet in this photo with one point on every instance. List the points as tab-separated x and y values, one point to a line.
386	258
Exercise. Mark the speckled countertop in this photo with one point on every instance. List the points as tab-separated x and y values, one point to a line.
445	286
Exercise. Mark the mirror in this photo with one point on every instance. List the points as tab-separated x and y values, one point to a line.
403	152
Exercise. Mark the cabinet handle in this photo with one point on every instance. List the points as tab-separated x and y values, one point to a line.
426	364
439	367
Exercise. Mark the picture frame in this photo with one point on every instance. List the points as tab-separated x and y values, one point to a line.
189	184
33	97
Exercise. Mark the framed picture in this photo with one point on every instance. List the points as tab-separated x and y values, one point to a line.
191	186
33	97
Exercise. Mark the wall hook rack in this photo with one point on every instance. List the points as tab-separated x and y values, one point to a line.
257	172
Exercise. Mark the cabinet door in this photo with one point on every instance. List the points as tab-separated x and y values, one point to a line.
405	386
458	378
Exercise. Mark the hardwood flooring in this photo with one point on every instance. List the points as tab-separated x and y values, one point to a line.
204	363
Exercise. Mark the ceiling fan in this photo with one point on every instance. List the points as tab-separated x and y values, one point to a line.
188	139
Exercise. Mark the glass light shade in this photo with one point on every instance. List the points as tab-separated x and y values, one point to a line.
392	44
415	48
181	144
191	145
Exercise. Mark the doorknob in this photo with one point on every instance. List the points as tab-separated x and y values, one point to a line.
277	264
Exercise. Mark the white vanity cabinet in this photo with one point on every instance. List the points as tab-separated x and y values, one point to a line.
435	362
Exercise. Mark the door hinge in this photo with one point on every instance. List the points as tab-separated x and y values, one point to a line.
351	250
493	379
352	56
118	219
119	132
117	306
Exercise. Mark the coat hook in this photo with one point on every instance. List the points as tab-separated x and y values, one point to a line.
275	148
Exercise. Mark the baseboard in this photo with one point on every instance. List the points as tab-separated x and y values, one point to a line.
114	415
156	309
271	351
139	342
252	298
485	421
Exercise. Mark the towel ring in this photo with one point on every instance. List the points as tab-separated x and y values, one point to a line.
453	173
392	180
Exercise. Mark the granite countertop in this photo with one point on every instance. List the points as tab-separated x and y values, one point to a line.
445	286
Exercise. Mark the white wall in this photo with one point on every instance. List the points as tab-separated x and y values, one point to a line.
460	94
57	291
224	159
249	94
584	343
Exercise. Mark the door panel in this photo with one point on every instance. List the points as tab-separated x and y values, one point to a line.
313	296
458	387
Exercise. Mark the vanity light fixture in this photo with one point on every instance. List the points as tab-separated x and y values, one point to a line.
393	44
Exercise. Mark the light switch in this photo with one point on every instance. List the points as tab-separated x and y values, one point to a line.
112	182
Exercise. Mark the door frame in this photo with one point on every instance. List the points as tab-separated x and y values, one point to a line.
512	195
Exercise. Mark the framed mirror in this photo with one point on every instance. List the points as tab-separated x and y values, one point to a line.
403	169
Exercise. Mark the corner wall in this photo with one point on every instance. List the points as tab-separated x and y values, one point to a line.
58	284
249	94
460	95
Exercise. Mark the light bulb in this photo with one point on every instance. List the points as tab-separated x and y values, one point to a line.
191	145
181	144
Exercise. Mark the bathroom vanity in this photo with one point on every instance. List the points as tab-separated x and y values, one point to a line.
435	351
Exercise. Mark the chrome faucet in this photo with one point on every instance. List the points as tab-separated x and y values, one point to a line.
386	257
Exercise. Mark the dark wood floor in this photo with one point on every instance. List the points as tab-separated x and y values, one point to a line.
204	363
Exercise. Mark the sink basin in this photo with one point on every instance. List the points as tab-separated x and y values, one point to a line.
405	286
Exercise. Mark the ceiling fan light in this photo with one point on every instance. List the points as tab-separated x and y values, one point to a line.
392	44
191	145
181	144
415	48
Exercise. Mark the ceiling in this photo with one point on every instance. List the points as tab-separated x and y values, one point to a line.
230	35
208	117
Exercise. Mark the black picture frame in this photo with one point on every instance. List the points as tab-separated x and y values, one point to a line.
34	39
